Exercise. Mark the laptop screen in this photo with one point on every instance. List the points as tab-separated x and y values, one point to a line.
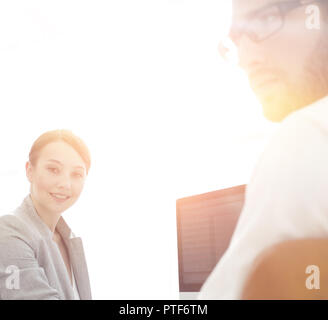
205	224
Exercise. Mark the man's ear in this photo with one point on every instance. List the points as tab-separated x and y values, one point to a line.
28	168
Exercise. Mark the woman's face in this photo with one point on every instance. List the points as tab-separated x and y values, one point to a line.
57	178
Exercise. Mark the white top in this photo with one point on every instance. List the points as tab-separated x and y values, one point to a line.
287	198
76	293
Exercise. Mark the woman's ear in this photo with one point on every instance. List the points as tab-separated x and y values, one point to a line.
28	168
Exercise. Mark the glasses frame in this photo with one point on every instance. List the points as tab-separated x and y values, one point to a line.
283	8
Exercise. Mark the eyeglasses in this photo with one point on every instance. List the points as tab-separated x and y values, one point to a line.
260	24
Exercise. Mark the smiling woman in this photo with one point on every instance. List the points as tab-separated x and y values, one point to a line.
35	241
58	164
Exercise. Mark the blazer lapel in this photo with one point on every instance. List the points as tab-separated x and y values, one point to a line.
79	267
77	258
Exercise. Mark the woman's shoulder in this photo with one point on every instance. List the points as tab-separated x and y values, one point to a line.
13	228
10	223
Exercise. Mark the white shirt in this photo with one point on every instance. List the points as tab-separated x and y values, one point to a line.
287	198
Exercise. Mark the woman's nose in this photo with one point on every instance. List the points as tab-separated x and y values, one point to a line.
64	182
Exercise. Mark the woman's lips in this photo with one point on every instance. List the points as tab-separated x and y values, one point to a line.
59	197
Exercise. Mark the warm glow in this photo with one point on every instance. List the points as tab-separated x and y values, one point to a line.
164	117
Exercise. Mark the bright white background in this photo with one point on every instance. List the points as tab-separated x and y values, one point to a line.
143	84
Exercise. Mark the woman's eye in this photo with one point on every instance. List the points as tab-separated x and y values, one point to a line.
53	170
76	174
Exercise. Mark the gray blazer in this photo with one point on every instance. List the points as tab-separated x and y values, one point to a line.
31	265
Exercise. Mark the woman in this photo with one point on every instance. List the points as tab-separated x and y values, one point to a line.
40	257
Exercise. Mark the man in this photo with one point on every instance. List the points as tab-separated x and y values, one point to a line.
284	52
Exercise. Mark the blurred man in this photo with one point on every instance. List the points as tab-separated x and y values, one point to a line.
283	48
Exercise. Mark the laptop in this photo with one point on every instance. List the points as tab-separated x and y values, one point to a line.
205	224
